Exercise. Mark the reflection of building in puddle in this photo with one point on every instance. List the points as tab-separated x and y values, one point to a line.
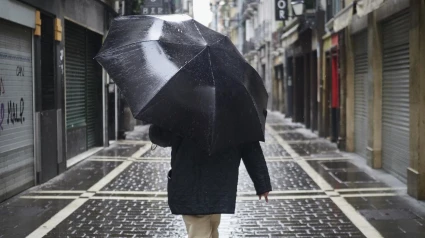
339	165
352	177
346	172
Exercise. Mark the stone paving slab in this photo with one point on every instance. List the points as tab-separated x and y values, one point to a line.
278	218
295	136
158	152
121	150
269	139
82	176
285	127
274	150
274	118
391	216
291	218
349	176
314	147
138	136
121	218
283	175
270	148
141	176
152	176
19	217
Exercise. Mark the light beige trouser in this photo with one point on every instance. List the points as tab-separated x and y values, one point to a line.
202	226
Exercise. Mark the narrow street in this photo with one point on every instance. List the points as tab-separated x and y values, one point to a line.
121	192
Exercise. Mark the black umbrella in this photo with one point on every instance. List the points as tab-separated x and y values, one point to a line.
180	75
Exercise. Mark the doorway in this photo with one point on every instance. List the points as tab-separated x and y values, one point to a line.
299	89
289	87
335	98
48	104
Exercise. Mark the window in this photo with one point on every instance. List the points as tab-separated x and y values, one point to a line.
332	8
310	4
336	6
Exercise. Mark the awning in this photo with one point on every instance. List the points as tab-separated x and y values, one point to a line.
363	7
327	42
343	18
290	36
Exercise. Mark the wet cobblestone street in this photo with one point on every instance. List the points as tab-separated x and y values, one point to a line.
121	192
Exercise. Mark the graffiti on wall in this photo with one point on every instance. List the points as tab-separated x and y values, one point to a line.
20	71
1	116
1	86
61	60
15	113
11	112
2	91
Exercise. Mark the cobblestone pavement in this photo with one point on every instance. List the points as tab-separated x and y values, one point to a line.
121	192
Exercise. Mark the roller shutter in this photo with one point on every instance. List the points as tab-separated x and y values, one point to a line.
360	93
94	91
395	95
16	109
83	89
75	53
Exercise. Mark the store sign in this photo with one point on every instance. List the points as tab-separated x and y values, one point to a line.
281	10
154	7
152	10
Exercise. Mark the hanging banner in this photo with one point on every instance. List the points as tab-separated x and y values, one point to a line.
327	42
281	7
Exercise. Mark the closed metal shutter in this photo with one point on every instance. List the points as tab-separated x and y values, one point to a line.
395	95
83	89
94	91
16	109
360	93
75	58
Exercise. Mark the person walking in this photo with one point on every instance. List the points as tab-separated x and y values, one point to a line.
175	74
201	186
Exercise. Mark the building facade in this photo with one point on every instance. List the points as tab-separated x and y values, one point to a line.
52	92
351	71
379	47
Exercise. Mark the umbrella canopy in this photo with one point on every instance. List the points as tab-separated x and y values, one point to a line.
180	75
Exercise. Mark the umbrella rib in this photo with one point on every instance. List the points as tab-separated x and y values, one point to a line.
156	93
121	47
199	32
215	99
224	37
134	43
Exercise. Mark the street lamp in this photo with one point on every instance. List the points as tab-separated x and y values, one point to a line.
298	6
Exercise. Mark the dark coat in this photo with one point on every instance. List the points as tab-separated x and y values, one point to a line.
201	184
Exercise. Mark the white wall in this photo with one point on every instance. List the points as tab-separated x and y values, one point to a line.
249	30
17	12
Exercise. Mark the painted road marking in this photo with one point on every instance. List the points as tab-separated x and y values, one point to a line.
358	220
